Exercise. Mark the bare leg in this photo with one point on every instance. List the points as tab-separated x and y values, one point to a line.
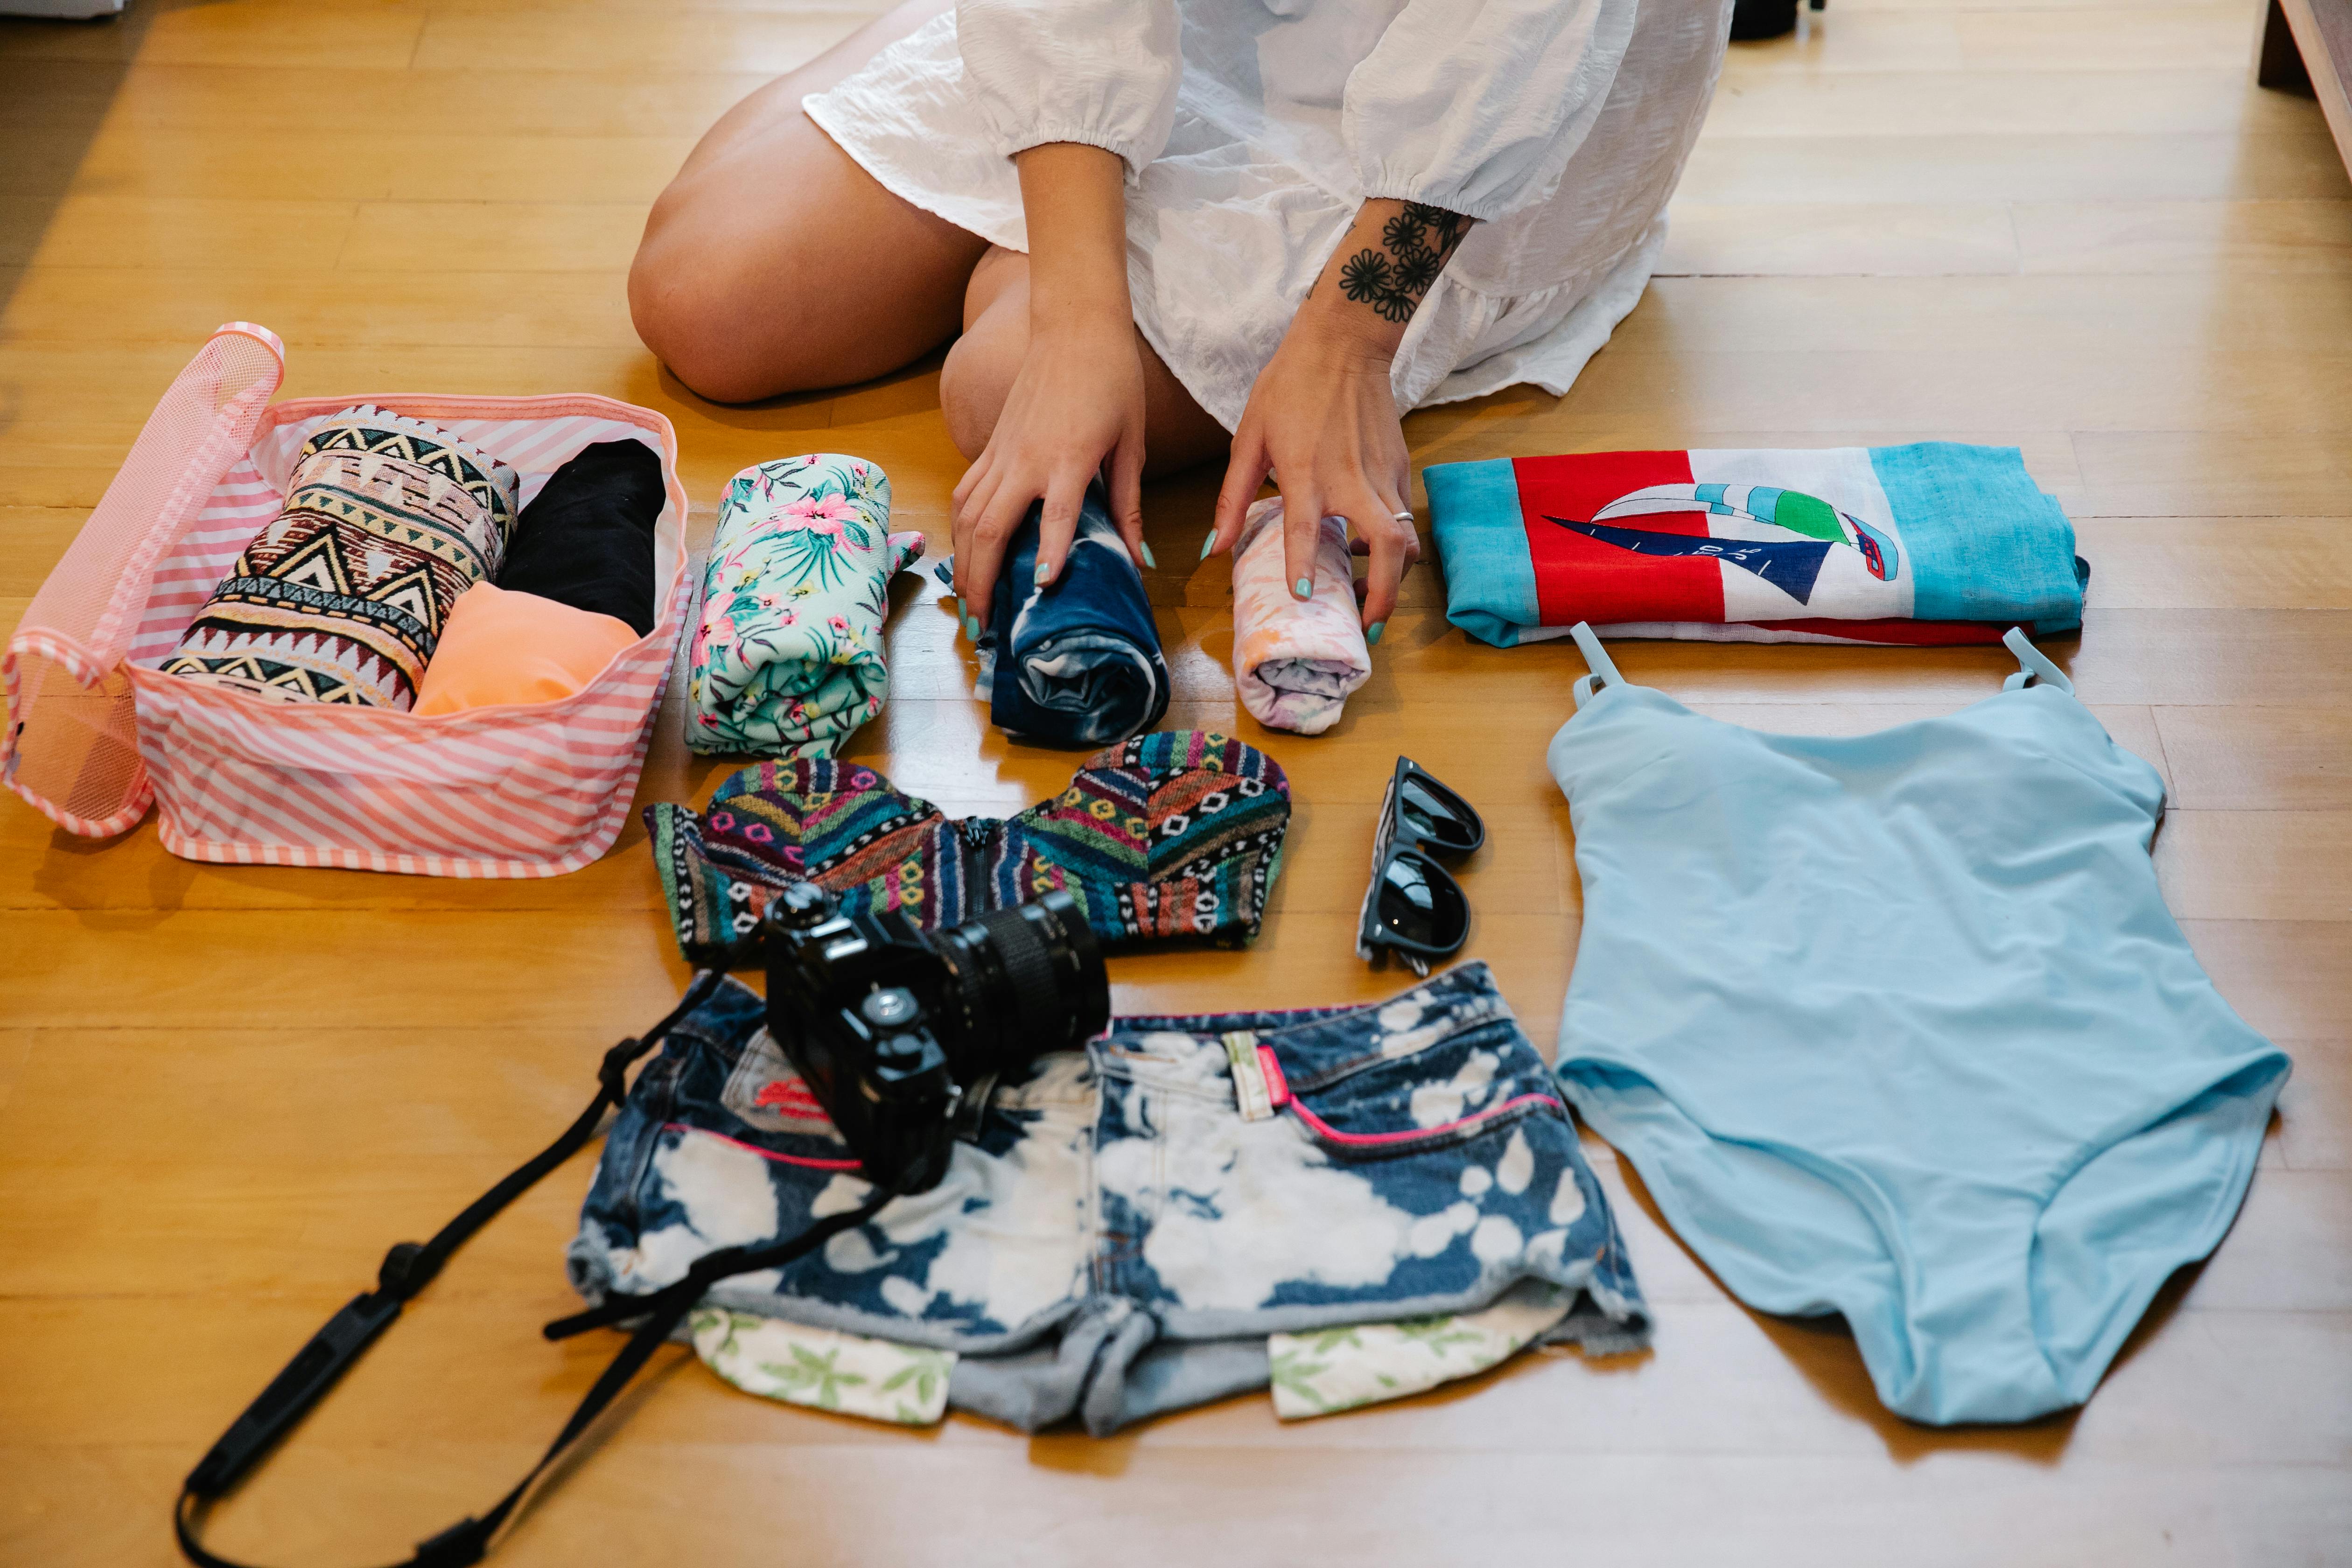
1177	432
773	263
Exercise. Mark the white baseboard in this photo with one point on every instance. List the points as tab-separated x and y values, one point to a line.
62	10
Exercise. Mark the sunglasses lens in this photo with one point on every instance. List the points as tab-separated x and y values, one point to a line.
1432	816
1421	904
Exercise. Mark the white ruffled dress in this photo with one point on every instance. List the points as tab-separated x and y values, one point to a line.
1253	130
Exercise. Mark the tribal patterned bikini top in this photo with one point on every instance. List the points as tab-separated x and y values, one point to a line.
1176	834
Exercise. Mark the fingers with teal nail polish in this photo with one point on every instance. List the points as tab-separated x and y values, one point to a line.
1303	589
1372	632
1208	544
1148	559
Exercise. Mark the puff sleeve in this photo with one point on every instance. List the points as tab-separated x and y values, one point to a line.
1103	72
1479	109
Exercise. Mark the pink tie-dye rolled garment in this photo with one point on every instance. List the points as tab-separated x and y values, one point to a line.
1295	661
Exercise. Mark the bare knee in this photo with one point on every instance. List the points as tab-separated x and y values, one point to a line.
739	311
686	326
690	308
981	365
976	378
742	285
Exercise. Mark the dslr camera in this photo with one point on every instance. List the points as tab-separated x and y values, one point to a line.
900	1035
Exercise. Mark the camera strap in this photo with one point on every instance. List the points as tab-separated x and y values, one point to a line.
410	1265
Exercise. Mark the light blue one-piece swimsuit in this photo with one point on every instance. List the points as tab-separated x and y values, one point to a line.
1898	1026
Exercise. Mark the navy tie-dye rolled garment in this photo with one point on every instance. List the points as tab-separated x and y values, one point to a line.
1084	667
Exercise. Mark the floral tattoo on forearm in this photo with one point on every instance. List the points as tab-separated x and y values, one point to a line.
1414	246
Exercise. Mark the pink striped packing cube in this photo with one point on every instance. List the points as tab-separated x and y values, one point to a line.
96	732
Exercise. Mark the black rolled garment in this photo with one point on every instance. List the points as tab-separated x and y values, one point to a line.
587	539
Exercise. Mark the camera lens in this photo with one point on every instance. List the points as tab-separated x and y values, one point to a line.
1025	981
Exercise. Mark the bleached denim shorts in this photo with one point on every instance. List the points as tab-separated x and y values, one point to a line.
1188	1209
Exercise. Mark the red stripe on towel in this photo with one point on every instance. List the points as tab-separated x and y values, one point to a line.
1579	578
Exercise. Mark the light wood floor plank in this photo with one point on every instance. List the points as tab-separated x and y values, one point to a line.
296	35
1845	1509
349	307
123	159
2234	562
2198	472
2257	865
1992	165
2126	39
96	231
2229	238
2255	756
1839	238
2088	314
446	237
1947	104
2239	391
678	38
2085	37
485	100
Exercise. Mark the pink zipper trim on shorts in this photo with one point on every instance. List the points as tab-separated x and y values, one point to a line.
1277	1088
1324	1128
809	1160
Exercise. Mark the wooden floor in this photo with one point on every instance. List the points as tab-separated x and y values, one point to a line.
222	1092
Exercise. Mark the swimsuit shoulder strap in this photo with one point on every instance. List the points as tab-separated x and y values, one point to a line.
2034	667
1596	658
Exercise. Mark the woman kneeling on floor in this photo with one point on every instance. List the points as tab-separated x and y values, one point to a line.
1146	223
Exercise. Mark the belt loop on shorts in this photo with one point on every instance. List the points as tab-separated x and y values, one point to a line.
1259	1090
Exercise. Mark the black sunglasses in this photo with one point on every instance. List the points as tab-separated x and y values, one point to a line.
1414	906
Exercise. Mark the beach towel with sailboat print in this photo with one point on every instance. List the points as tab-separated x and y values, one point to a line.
1928	545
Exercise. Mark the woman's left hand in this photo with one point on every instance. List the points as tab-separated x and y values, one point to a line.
1321	418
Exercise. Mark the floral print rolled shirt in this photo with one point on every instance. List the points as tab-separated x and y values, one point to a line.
787	657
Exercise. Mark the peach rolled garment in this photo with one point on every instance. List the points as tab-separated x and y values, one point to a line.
1295	661
503	646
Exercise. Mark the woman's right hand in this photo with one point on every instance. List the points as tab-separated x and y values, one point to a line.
1074	409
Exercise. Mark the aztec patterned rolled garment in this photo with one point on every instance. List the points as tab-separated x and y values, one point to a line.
787	659
1177	834
1295	661
342	597
1926	545
1345	1204
1084	668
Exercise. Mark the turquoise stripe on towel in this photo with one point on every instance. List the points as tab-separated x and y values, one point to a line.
1482	538
1980	532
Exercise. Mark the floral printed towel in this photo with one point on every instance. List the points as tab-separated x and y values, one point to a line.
1295	661
1323	1371
825	1368
787	657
